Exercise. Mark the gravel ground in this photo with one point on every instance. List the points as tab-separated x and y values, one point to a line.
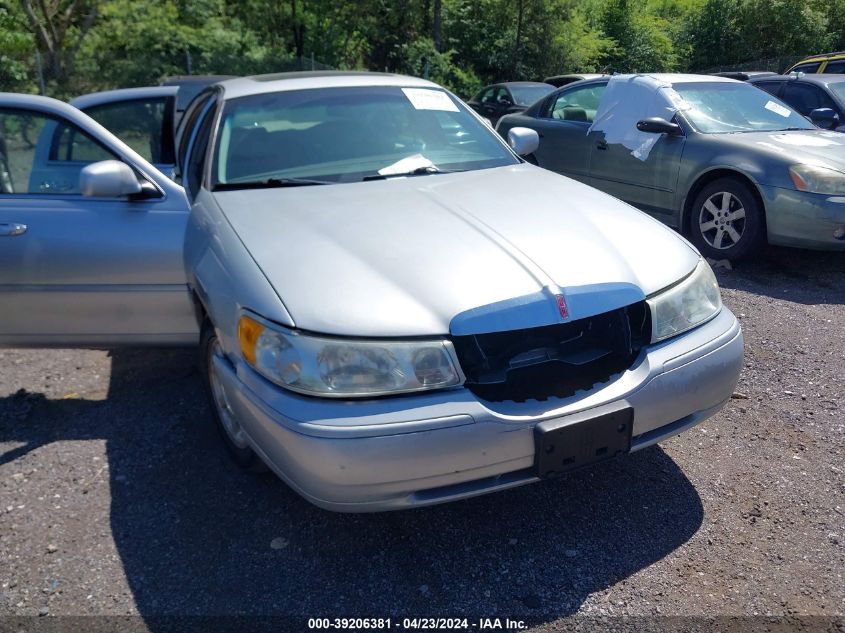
116	497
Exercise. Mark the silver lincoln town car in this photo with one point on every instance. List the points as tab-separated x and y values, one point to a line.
394	309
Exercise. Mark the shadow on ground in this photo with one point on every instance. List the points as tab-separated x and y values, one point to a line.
194	533
789	274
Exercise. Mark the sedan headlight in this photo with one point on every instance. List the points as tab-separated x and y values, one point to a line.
817	179
688	303
343	368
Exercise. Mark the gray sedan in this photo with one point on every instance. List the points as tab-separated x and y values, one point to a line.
725	163
393	309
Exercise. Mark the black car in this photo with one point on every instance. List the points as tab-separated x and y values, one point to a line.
498	100
558	81
744	75
811	95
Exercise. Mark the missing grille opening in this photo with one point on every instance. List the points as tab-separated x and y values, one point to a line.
555	360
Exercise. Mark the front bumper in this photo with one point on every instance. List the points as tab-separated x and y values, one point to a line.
406	451
805	220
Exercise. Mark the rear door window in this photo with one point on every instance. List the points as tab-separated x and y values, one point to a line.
772	87
835	68
578	104
145	125
811	67
806	97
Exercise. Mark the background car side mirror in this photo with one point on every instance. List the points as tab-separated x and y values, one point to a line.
658	125
108	179
523	140
824	118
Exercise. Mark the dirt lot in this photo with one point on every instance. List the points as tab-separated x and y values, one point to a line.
116	497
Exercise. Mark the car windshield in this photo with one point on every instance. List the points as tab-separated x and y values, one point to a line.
348	135
526	95
714	108
838	89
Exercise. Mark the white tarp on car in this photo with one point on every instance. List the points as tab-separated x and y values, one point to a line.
632	98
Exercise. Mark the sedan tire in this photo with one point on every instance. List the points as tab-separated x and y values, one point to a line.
726	220
224	417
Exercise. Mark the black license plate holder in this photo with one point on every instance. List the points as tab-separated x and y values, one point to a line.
570	443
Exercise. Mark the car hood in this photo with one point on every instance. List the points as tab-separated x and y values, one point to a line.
821	147
469	252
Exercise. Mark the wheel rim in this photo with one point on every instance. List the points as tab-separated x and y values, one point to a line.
721	220
221	400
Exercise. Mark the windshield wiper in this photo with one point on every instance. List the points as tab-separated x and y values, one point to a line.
419	171
270	183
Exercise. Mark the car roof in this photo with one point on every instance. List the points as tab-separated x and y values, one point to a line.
309	80
181	80
744	75
810	78
686	78
664	78
522	83
122	94
576	76
820	57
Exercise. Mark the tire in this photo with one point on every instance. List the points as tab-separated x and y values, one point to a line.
233	437
726	220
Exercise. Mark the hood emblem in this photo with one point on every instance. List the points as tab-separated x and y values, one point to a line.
561	306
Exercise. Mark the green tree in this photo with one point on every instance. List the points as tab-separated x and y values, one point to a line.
421	58
170	40
59	28
17	51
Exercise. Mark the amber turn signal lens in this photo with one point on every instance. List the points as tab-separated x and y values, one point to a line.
249	330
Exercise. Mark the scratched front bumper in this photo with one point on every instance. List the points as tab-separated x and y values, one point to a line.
805	220
401	452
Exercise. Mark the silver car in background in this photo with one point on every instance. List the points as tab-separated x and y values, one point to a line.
396	310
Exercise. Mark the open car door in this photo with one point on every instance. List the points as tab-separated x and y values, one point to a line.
91	235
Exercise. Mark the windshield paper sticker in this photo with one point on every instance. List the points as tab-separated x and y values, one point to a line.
777	108
425	99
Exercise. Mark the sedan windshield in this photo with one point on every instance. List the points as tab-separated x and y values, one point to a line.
526	95
714	108
349	135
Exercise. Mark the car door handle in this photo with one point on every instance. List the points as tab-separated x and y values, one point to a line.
12	229
602	145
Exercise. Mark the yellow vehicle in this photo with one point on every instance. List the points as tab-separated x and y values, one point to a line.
830	63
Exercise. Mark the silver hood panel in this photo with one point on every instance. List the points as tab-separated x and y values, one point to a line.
465	252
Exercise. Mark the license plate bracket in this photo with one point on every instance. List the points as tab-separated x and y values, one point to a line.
566	444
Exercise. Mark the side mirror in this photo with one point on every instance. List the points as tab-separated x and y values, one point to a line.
824	118
523	140
108	179
658	125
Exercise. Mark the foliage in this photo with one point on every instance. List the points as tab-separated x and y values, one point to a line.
84	45
422	59
16	46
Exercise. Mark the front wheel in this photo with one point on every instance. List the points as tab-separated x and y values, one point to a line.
221	409
726	220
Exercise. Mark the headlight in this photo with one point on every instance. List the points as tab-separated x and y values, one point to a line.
816	179
338	368
685	305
